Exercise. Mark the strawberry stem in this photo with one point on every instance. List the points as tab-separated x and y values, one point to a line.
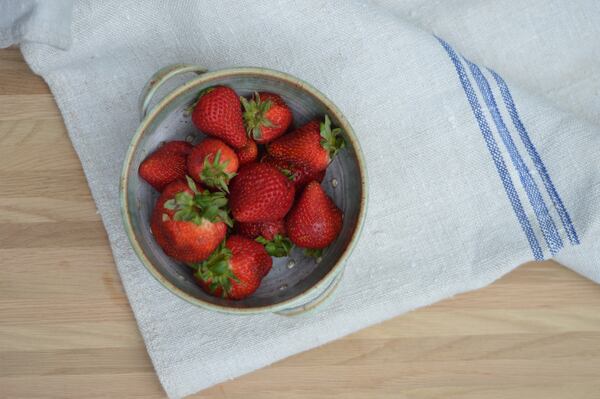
255	117
216	271
213	173
201	205
278	247
331	140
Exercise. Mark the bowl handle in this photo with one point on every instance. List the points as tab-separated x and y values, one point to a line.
312	303
159	78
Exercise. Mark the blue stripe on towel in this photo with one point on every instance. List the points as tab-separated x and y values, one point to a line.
537	161
547	225
494	152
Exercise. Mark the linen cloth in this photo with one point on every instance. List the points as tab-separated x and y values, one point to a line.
472	171
38	21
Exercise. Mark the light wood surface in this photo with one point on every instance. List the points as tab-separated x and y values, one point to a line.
66	329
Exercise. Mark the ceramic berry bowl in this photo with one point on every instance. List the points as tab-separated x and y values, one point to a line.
295	283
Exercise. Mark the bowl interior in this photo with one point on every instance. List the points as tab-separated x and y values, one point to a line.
289	277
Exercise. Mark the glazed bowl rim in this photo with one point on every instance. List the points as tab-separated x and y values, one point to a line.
203	79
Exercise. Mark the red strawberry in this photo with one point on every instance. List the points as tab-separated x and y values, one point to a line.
266	229
315	221
266	116
166	164
168	193
235	270
248	153
212	163
218	113
270	234
301	175
313	145
188	223
260	193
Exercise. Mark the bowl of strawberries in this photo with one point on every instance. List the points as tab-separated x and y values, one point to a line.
243	190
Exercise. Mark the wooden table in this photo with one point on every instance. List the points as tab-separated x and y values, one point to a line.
66	329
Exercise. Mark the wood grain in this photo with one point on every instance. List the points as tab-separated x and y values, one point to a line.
66	329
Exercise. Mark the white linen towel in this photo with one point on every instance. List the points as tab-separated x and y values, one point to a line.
39	21
472	170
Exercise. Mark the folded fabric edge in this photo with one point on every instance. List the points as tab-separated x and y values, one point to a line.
45	24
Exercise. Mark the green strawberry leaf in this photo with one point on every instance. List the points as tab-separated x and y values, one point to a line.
210	212
191	184
313	253
213	173
184	199
288	173
220	267
254	115
331	140
184	215
170	204
216	269
224	217
200	206
279	247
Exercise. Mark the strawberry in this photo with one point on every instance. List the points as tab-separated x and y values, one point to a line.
269	234
313	145
189	223
260	193
212	163
166	164
168	193
301	175
315	221
266	116
248	153
218	113
235	269
266	229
